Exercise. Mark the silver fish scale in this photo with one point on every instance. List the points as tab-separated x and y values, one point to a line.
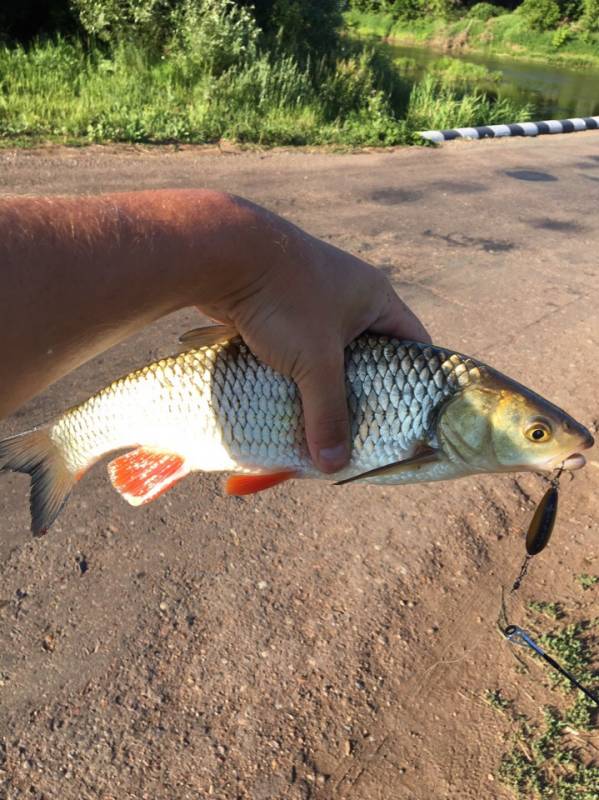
222	402
394	391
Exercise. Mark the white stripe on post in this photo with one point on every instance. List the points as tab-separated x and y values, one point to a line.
579	124
467	133
433	136
529	128
500	130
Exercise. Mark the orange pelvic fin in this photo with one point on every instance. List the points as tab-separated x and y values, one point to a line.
249	484
142	475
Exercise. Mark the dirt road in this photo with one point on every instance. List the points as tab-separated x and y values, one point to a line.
311	642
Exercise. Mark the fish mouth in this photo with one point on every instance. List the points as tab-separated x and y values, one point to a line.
573	462
576	460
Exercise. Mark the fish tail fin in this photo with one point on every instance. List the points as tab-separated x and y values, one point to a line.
34	453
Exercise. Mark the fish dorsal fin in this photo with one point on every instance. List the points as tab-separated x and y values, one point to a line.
208	335
424	455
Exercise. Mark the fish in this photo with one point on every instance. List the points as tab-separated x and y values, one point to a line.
418	412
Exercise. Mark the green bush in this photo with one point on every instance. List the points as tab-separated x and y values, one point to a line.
214	35
145	21
541	15
590	15
560	36
456	72
440	9
302	27
485	11
406	9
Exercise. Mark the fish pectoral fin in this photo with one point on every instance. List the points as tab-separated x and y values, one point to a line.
424	456
142	475
250	484
208	335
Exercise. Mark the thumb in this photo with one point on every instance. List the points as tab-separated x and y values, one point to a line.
322	387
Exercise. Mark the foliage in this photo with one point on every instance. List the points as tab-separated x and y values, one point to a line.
64	91
506	34
541	15
561	36
301	27
440	9
456	72
214	35
433	105
485	11
590	15
144	21
406	9
552	610
587	581
569	648
496	699
543	763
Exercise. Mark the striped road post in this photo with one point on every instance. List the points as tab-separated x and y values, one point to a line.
517	129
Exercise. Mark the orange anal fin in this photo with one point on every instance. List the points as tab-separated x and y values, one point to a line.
142	475
249	484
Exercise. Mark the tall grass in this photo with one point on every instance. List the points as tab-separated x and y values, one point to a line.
62	91
438	107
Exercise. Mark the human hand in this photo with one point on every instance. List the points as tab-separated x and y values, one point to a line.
298	308
295	299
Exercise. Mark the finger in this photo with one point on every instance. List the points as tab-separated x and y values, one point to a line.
400	321
322	387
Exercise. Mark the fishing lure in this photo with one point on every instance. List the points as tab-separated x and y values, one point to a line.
541	527
537	539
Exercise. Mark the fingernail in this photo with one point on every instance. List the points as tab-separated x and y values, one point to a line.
333	458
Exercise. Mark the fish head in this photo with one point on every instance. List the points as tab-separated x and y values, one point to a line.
497	425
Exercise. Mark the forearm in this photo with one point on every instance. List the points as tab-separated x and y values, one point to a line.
79	275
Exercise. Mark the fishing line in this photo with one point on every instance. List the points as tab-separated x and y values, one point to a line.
537	538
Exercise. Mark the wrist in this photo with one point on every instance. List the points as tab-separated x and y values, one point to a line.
217	251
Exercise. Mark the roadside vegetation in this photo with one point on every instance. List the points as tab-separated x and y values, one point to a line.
562	31
277	72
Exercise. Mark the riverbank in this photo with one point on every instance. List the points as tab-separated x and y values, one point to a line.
64	91
506	35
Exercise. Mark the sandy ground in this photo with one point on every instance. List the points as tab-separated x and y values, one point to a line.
312	641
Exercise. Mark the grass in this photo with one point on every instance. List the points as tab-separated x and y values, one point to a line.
552	759
59	91
542	763
503	35
587	581
435	106
456	72
551	610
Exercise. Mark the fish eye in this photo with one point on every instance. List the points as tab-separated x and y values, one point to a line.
538	432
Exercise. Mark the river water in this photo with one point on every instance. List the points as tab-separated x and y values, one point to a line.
556	92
